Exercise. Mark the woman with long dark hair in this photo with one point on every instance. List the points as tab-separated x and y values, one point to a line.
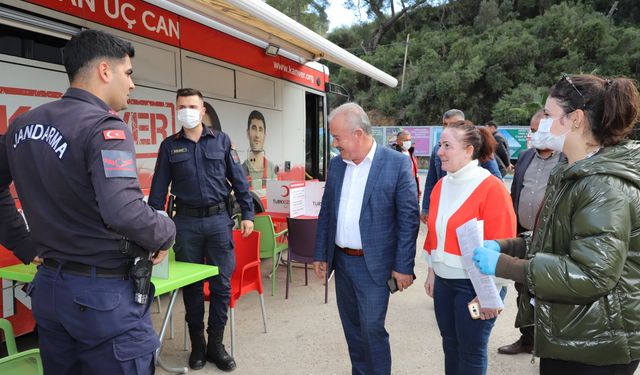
581	263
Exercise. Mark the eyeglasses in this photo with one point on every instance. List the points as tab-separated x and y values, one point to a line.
566	77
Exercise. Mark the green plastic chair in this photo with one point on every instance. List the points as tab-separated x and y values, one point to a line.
27	362
269	246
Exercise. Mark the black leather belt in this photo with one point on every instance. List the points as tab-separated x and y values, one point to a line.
80	269
202	211
351	252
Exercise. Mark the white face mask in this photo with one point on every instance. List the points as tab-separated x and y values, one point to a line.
406	145
189	118
544	140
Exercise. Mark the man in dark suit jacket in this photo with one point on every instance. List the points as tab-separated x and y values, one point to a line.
367	231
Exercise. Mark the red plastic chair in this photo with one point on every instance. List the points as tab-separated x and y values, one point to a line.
246	277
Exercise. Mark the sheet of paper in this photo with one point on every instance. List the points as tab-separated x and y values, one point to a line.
296	199
469	237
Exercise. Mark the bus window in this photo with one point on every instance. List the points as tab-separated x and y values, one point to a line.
30	45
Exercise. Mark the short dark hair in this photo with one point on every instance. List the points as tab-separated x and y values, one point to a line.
610	105
492	123
537	116
89	45
483	142
188	92
256	115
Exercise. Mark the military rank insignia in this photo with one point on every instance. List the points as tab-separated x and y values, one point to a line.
235	157
118	163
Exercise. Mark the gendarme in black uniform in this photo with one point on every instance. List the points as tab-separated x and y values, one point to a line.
73	164
199	173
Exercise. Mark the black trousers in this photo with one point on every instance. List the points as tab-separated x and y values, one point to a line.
550	366
199	239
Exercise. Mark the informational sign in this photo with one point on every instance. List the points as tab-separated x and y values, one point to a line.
516	137
426	137
278	196
313	192
420	135
378	135
435	138
390	134
296	199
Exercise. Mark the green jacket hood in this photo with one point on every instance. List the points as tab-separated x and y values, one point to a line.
620	161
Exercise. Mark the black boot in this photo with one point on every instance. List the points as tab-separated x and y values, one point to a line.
198	347
216	352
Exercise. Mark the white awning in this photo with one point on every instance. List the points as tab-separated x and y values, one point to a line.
258	20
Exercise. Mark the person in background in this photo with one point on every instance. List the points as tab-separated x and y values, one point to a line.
436	172
527	190
466	192
257	168
73	164
405	145
581	265
502	149
210	118
202	168
367	230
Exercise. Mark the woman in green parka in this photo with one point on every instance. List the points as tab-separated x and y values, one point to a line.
581	263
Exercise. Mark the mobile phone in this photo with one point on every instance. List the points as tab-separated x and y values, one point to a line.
474	310
392	284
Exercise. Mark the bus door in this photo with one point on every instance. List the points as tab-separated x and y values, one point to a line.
316	135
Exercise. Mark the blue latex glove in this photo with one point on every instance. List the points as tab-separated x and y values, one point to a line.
486	260
492	245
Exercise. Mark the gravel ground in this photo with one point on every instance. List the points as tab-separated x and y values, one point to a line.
305	335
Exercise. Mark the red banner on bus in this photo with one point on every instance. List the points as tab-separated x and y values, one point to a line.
132	16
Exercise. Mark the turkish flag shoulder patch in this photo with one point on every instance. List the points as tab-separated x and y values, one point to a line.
113	134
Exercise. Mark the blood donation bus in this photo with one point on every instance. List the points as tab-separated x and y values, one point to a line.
256	67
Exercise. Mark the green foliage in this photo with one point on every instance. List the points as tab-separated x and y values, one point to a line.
310	13
520	104
494	59
488	16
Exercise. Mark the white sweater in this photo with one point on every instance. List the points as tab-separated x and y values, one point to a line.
456	189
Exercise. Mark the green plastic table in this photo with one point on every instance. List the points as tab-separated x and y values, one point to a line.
180	274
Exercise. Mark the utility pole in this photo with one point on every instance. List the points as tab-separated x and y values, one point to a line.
404	64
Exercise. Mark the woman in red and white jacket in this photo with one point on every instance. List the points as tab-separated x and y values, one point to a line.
467	191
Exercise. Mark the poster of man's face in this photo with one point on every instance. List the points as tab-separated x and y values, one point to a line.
256	134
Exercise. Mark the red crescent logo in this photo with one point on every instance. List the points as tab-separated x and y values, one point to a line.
285	189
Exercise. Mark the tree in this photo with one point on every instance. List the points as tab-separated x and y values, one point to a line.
488	16
499	70
310	13
383	14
